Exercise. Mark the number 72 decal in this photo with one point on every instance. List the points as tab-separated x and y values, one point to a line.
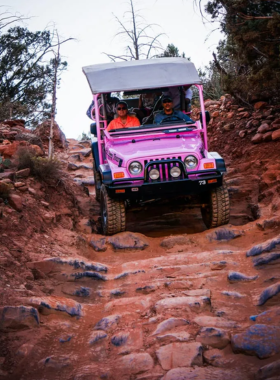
202	182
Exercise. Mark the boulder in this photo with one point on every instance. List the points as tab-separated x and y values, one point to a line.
128	240
262	341
18	318
180	355
258	138
268	293
107	323
276	135
234	277
98	243
268	371
15	201
214	337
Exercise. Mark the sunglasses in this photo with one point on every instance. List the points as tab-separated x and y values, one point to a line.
167	101
121	108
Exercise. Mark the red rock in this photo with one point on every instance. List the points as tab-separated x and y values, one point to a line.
277	121
38	151
276	126
15	202
18	318
230	115
215	114
258	138
134	363
276	135
208	103
6	142
49	217
264	128
7	175
242	134
19	184
9	150
23	173
267	136
260	105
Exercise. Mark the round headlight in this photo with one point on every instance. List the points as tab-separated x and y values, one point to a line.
175	171
191	162
154	174
135	168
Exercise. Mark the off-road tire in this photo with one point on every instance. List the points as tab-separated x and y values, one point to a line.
112	213
216	212
97	184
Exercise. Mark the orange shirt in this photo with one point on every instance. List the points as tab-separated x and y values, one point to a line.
131	121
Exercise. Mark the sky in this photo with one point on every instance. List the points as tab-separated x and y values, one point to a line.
93	25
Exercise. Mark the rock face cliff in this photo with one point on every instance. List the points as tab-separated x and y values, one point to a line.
166	299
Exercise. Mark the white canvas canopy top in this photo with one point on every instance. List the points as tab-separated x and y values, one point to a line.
143	74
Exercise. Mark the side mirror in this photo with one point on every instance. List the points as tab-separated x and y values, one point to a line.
93	130
207	115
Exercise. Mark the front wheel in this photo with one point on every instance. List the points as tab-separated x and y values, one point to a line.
112	213
216	212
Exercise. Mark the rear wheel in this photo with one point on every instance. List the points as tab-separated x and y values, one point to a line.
97	183
112	213
216	212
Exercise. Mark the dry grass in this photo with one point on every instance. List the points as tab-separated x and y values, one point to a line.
44	169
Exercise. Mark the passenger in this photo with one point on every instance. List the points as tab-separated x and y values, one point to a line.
146	104
175	94
123	120
110	107
169	112
188	98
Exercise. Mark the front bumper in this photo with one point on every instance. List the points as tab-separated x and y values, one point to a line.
141	189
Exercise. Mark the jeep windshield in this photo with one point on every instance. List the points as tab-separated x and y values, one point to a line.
168	127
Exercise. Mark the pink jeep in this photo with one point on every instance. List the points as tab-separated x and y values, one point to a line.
171	159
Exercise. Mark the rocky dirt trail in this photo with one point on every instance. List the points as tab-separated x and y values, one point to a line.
165	300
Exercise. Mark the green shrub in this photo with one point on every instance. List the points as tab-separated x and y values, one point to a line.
46	169
25	157
43	168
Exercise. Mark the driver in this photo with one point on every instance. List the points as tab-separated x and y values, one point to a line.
169	113
123	120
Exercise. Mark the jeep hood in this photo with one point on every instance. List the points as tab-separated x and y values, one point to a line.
156	147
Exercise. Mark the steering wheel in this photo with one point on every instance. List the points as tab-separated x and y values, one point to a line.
171	118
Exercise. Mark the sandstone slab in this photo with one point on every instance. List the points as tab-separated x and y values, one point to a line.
54	304
18	318
197	304
207	373
180	355
170	324
134	364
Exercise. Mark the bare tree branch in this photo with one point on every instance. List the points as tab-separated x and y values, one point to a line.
136	31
